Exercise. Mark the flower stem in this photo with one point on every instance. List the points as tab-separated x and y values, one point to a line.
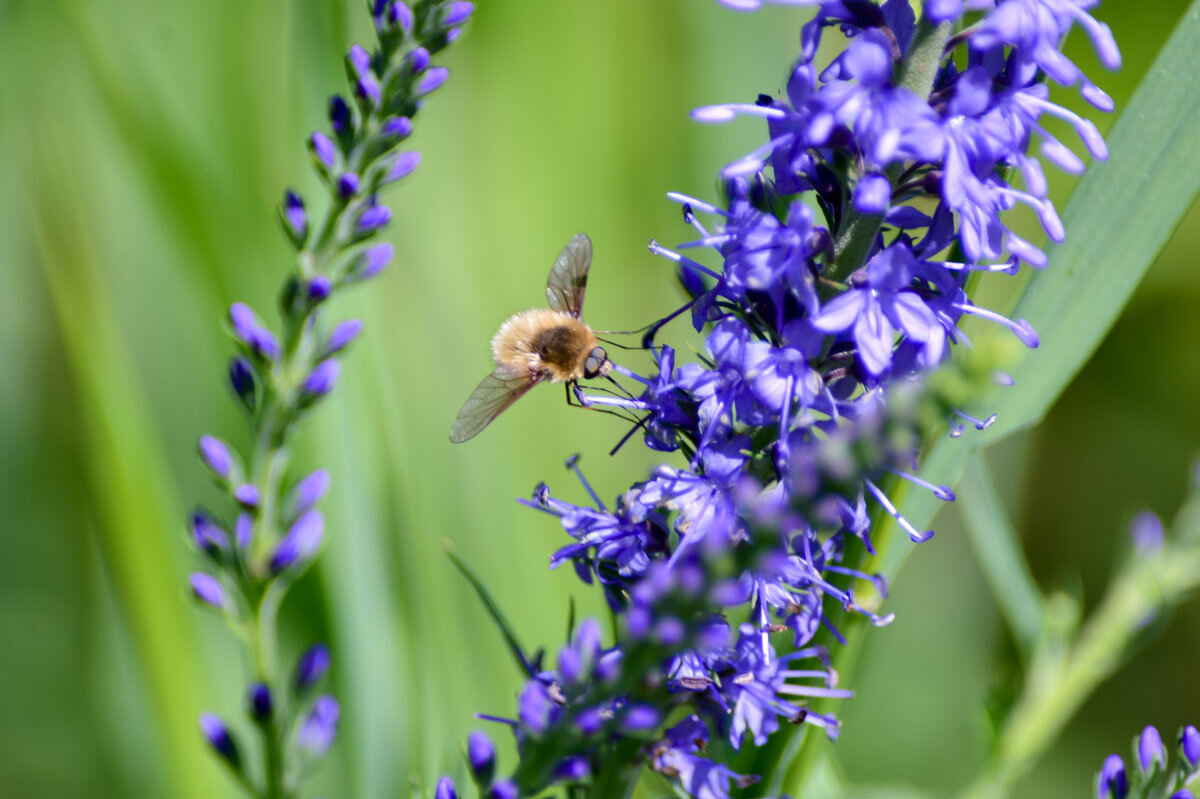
916	73
1062	677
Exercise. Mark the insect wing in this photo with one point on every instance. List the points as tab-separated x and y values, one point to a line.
489	399
568	277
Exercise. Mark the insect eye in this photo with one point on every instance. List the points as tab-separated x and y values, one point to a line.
591	367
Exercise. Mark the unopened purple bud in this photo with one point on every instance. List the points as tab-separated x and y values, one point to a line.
1183	793
1147	531
372	218
589	722
208	535
218	737
301	542
347	185
308	492
432	79
247	495
481	756
1152	755
339	114
243	320
241	378
359	60
342	335
216	456
311	667
367	89
401	167
639	718
418	60
1112	783
319	289
321	379
397	128
457	13
573	769
322	149
453	34
939	11
295	217
1189	745
373	261
504	789
320	726
243	530
258	702
401	15
872	194
445	786
208	589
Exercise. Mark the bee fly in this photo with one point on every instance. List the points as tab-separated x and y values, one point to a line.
539	345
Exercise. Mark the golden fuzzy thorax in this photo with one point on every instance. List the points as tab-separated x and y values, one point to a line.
551	344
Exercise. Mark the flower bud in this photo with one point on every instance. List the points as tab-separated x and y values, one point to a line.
400	15
872	194
1183	793
1111	782
504	789
1189	746
208	589
306	493
243	530
347	185
1152	755
456	13
320	726
250	331
259	703
301	542
217	457
294	218
400	166
311	668
220	739
937	11
358	60
396	129
372	218
343	335
323	153
371	262
339	116
208	536
321	379
418	61
639	718
319	289
367	89
241	379
445	787
481	756
247	495
573	769
432	80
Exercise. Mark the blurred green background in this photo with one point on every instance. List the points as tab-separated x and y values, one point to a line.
148	142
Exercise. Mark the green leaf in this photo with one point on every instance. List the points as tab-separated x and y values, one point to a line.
493	609
998	552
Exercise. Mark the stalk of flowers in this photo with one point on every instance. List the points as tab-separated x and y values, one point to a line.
276	530
819	333
1152	777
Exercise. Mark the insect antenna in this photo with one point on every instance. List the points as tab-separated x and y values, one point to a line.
622	388
651	329
573	388
612	343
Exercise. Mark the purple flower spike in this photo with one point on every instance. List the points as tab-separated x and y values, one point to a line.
1189	745
504	789
481	756
301	542
321	379
219	738
400	15
216	456
343	335
347	185
208	589
320	726
258	702
1111	782
432	80
294	217
456	13
401	167
445	789
311	668
372	218
872	194
1152	755
397	128
322	151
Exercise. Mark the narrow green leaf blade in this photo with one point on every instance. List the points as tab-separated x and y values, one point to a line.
493	609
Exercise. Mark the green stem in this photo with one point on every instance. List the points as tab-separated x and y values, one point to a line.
1059	683
916	73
